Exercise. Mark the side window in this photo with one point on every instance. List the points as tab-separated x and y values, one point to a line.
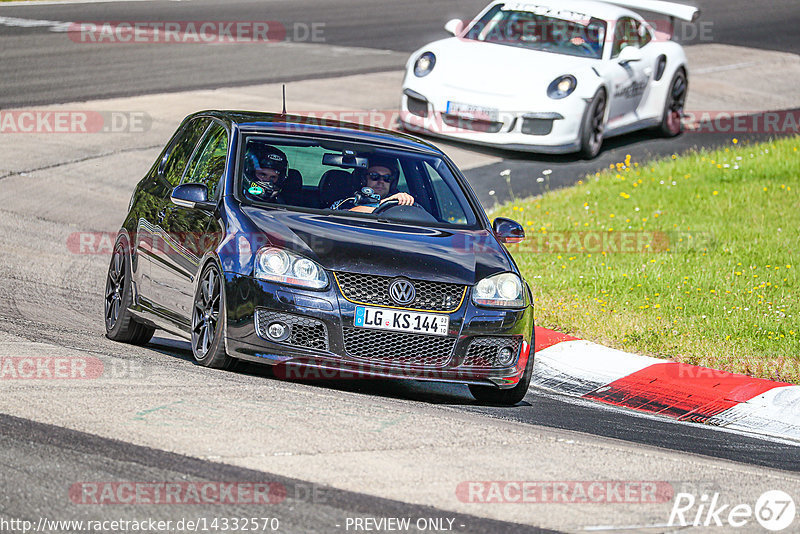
208	163
449	209
182	149
625	34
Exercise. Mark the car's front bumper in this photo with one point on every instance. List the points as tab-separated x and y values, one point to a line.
448	358
551	127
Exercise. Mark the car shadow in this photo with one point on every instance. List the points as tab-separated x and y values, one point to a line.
403	389
415	390
172	347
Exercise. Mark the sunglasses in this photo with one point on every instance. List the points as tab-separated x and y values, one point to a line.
376	176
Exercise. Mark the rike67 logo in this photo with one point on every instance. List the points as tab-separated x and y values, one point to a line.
774	510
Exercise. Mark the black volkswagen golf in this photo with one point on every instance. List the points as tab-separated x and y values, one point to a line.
327	246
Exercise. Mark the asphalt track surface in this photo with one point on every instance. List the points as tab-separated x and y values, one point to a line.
40	460
60	457
41	67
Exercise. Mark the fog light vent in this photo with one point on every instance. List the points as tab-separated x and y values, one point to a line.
493	351
290	329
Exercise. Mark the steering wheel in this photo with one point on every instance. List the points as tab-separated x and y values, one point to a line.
589	48
404	212
383	206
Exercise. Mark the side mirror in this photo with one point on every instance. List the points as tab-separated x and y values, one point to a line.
508	231
454	26
629	54
192	196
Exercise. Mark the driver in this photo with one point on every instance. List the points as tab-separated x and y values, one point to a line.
265	172
382	176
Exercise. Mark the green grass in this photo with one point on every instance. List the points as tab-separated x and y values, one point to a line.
718	287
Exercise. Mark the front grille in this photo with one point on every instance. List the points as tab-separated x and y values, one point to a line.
369	289
303	331
476	125
398	348
483	351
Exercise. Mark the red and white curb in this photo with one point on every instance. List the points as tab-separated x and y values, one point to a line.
579	368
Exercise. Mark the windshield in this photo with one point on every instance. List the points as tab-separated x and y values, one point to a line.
331	176
542	28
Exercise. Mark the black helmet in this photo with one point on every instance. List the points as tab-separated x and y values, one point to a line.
259	156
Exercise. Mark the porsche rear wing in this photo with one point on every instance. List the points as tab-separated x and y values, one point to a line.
670	9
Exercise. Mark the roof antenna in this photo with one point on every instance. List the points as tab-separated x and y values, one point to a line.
284	100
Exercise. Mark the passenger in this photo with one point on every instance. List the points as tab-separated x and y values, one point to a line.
265	171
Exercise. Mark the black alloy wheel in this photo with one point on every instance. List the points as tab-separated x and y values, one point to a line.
208	346
120	324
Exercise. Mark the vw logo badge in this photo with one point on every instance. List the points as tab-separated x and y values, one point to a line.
402	292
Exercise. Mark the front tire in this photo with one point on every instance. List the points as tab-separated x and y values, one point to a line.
505	397
120	324
208	317
671	124
593	125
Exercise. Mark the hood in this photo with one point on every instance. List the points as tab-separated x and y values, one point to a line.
353	244
496	69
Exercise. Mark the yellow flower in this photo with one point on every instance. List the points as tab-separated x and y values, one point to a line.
735	141
715	193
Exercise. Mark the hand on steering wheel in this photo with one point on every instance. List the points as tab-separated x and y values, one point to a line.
403	199
398	199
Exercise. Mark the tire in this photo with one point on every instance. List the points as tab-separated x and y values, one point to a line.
120	324
208	319
673	105
593	125
505	397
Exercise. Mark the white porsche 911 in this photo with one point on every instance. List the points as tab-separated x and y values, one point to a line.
553	76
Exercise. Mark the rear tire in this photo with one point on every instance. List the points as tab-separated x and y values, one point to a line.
505	397
120	324
208	319
671	124
593	125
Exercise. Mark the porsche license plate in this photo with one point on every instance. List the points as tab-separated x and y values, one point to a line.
401	321
468	111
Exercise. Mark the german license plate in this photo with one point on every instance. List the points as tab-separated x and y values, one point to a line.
468	111
401	321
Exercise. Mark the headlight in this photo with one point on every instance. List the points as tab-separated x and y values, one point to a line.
562	87
282	266
502	290
424	64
